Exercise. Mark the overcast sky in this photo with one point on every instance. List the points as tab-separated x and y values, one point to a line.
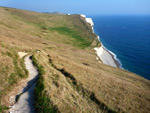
88	7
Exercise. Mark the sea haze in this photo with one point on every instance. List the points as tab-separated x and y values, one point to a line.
129	38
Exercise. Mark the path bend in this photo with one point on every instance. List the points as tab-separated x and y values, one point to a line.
25	104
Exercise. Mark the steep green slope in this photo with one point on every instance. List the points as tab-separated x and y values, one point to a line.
71	79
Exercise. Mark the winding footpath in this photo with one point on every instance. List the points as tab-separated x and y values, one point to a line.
25	103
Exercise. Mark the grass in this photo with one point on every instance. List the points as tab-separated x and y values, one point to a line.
78	40
62	24
19	70
81	90
42	101
3	108
12	79
12	69
100	79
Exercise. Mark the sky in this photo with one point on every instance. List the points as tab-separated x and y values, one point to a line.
88	7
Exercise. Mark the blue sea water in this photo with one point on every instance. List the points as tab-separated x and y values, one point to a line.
129	38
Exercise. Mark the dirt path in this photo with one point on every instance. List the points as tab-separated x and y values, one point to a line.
25	103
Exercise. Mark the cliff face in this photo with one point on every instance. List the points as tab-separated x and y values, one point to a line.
71	79
105	56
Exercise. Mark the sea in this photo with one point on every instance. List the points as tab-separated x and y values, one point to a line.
128	37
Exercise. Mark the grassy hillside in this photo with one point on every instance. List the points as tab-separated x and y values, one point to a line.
70	78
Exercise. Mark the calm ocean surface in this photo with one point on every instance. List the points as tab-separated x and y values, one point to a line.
129	38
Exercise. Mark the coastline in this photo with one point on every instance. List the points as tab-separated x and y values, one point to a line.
107	57
113	55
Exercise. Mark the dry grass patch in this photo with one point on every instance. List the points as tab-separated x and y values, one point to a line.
60	91
118	89
12	69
